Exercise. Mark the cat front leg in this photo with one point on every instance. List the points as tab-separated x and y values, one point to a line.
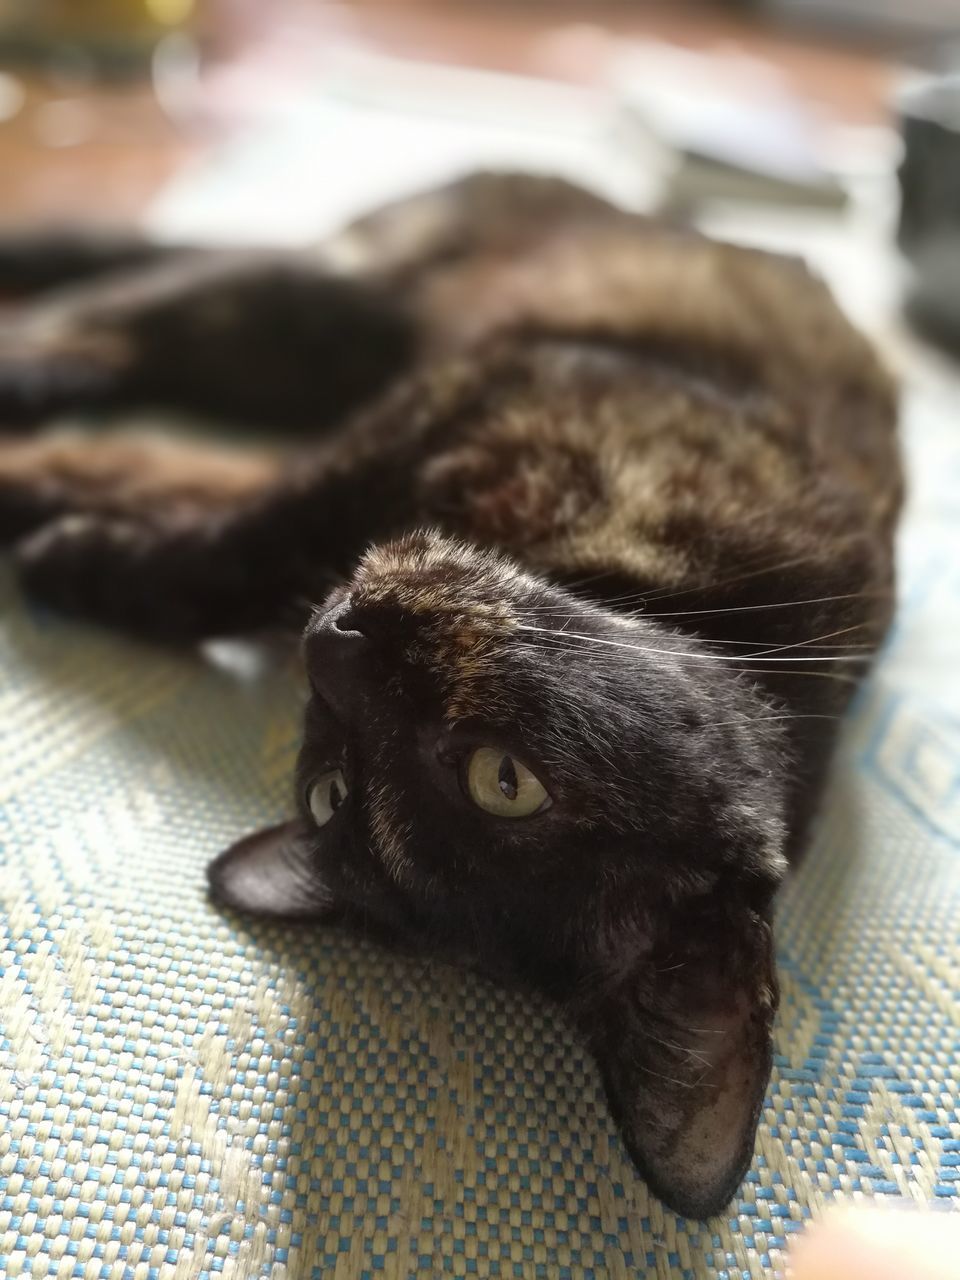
134	476
272	340
161	536
45	372
182	561
178	583
195	544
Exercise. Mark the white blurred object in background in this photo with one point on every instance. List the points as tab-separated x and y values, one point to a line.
373	128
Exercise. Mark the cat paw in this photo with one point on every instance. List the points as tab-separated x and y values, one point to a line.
124	574
36	484
117	573
42	378
81	565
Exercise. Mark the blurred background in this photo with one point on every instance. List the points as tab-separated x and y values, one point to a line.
784	122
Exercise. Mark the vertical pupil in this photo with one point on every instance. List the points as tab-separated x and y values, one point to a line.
507	778
336	795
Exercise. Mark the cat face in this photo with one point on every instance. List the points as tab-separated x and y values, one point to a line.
550	791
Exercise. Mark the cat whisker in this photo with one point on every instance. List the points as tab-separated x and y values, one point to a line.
817	675
686	654
749	569
642	597
691	1054
777	567
548	611
782	604
800	644
813	643
758	569
790	715
706	657
659	1075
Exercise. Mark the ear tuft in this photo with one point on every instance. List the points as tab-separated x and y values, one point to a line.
270	873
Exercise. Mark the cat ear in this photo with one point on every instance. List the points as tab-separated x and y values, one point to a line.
684	1045
270	873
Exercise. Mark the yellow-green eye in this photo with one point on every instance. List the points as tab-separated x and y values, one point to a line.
327	795
501	785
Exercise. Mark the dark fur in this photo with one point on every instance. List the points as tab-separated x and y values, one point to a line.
626	514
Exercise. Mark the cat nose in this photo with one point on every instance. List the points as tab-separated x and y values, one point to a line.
336	635
345	623
338	656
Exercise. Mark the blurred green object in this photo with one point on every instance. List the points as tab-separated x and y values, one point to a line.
110	35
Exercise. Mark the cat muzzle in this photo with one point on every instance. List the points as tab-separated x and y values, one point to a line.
340	660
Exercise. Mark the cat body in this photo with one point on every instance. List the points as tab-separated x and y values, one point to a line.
592	538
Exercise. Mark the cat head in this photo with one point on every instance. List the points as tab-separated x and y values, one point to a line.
557	792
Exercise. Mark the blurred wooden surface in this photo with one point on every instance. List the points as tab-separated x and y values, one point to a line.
98	154
94	155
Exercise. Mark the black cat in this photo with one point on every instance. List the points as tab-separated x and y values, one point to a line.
602	515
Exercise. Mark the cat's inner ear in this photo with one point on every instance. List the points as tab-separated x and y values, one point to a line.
270	873
685	1052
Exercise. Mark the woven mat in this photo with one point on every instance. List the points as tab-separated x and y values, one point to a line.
186	1094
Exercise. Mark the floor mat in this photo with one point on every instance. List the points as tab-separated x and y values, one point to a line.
184	1093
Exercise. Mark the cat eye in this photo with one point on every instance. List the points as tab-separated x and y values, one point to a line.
499	784
327	795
